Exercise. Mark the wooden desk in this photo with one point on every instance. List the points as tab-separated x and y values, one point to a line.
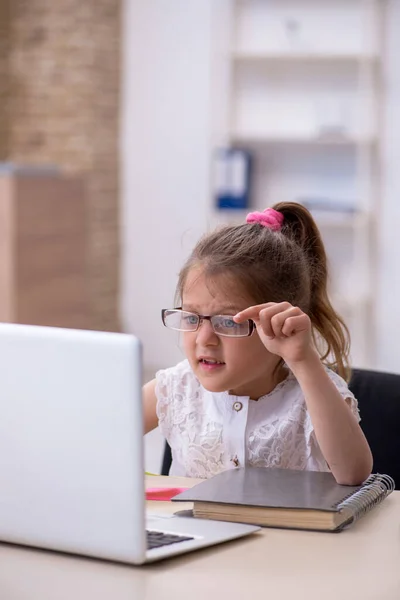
362	563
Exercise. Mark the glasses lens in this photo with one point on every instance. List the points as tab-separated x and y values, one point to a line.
181	320
225	325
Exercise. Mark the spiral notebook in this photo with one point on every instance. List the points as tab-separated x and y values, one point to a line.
285	498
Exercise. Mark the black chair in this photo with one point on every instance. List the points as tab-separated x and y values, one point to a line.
378	396
167	460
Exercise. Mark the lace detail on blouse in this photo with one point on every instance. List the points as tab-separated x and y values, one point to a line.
195	440
207	435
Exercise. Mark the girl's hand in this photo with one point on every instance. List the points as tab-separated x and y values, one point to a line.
284	329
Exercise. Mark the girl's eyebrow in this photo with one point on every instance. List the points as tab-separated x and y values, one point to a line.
226	308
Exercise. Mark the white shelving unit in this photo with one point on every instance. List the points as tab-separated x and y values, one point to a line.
303	94
323	139
254	56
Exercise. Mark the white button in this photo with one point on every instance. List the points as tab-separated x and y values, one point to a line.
237	406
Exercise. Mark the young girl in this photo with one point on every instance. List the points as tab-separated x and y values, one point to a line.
257	329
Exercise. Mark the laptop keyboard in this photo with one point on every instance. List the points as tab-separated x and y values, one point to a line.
156	539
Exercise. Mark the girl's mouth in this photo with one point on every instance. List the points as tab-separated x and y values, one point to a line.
209	364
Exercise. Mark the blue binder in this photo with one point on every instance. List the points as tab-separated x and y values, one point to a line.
232	170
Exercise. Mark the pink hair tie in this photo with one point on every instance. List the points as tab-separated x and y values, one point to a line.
270	218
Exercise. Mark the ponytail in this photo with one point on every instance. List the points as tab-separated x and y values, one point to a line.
328	326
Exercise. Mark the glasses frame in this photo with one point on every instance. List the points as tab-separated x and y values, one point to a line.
205	318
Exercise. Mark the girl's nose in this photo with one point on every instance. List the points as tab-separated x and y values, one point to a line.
206	335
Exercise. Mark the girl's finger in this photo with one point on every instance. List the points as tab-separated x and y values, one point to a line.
279	319
264	323
252	312
295	324
268	315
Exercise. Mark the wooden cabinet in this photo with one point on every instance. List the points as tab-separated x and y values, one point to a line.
43	249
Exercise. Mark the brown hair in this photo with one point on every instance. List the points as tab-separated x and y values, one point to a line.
276	266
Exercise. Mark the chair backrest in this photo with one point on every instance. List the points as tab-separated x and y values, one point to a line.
167	460
378	395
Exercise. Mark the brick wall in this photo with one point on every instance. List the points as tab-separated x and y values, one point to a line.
63	89
4	75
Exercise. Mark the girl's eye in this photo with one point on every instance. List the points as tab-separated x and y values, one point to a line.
191	319
229	323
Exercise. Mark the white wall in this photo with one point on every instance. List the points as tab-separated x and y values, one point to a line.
388	294
165	130
165	149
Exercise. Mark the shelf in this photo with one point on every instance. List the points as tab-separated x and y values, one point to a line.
260	57
320	140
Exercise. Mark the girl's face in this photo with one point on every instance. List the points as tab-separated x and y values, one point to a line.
245	367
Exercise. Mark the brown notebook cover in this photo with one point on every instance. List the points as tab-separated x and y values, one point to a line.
285	498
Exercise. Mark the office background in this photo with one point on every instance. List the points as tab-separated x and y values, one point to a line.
134	96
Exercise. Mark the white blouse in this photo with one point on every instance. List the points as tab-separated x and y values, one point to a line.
210	432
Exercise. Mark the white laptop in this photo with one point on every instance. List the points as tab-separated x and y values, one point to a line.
71	450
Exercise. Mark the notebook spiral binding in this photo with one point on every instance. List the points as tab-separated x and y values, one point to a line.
373	492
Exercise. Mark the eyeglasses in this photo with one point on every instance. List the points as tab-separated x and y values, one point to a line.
224	325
